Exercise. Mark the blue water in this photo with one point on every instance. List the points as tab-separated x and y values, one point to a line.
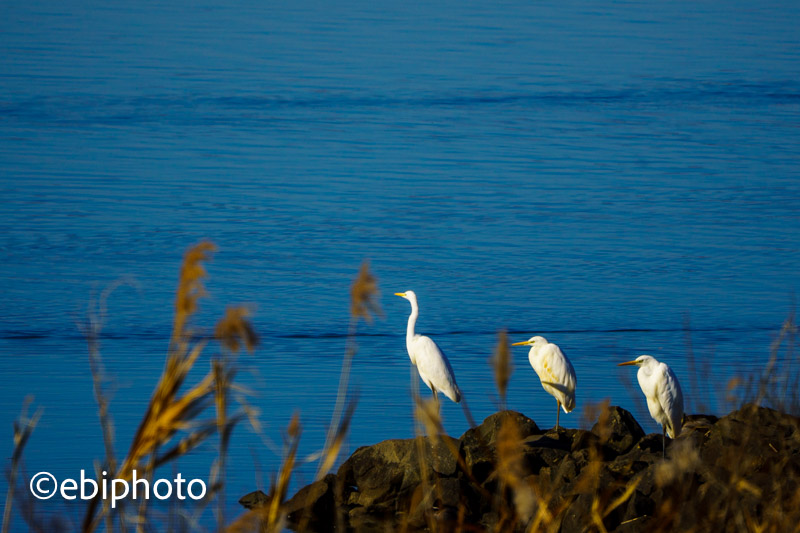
603	176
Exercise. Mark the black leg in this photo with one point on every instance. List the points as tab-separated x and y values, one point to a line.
664	442
558	412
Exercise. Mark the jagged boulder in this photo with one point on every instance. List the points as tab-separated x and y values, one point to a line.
478	445
383	477
314	505
617	430
254	500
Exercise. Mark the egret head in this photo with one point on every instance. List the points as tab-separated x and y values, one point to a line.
532	341
408	295
639	361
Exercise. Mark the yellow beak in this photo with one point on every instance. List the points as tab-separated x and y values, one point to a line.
523	343
627	363
402	294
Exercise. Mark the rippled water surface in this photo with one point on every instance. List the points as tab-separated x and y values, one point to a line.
620	179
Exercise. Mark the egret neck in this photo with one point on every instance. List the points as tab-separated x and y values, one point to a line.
412	320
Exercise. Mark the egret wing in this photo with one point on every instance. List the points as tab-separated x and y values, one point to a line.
670	397
434	368
556	371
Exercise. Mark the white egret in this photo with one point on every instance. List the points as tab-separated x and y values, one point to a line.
663	393
554	371
431	363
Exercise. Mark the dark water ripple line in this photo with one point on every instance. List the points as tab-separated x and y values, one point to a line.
115	110
38	335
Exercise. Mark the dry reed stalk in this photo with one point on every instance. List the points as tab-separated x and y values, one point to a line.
169	411
427	413
502	365
589	480
92	330
274	517
23	428
271	518
233	332
510	477
363	305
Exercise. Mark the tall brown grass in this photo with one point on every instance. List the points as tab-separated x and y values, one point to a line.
172	424
175	421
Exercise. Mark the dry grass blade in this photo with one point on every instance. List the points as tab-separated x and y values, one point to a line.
271	518
363	304
502	365
234	331
363	295
23	428
274	518
777	385
186	444
222	382
622	498
190	285
332	453
426	412
601	413
511	471
92	330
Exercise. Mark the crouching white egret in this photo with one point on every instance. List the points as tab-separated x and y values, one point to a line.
554	371
431	363
663	393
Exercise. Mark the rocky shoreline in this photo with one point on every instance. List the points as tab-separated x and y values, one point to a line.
737	472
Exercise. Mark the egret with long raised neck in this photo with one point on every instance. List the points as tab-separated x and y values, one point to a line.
431	363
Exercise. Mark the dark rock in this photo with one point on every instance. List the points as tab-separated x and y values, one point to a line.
718	474
489	521
545	450
578	513
650	444
752	441
382	477
360	520
488	430
447	493
254	500
478	444
635	461
699	422
617	430
641	503
439	502
314	503
759	429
